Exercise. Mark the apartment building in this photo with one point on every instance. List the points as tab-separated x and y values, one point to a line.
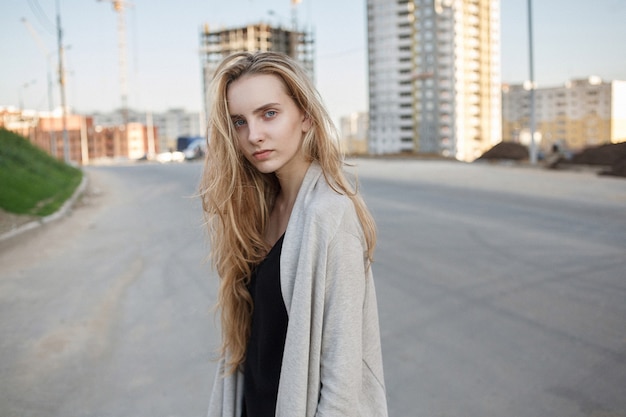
354	129
579	114
434	76
215	45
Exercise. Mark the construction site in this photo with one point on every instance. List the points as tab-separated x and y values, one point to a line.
215	45
84	139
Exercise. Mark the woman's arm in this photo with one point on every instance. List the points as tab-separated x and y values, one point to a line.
341	367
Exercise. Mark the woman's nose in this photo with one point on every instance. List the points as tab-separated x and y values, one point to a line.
255	132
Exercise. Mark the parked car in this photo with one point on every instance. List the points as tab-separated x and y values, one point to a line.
196	149
183	142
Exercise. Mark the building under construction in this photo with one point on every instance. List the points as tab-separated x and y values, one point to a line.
218	44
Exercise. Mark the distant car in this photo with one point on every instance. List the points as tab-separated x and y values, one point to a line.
165	157
196	149
183	142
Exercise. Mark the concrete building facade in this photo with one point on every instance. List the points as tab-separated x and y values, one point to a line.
579	114
434	76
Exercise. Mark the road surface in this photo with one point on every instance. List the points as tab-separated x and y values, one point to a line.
502	292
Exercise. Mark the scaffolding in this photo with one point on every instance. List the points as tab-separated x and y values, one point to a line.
218	44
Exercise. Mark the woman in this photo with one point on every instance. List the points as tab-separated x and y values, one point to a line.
292	243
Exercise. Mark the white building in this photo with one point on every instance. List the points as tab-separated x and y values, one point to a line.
170	124
176	123
434	76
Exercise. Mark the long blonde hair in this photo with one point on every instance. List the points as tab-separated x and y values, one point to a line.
237	199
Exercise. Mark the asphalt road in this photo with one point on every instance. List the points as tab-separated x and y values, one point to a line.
502	292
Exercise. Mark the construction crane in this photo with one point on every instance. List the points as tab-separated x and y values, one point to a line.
119	6
294	14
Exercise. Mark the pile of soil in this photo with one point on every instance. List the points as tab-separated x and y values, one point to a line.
618	169
612	156
506	150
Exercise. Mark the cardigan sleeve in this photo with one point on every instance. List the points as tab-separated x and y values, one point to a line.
227	393
341	364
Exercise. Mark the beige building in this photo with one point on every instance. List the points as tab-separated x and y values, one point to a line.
434	76
354	133
86	141
215	45
579	114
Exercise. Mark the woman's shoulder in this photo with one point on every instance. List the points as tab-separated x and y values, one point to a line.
328	199
331	208
322	205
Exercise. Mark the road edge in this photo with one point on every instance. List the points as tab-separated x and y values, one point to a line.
65	208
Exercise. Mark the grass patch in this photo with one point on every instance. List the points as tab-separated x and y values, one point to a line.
31	181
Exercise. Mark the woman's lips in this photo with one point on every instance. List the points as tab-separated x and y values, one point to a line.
262	155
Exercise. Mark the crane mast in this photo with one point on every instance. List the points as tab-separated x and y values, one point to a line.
119	6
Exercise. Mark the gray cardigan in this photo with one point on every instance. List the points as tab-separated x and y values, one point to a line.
332	363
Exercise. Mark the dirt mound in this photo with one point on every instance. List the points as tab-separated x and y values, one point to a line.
612	156
618	169
601	155
506	150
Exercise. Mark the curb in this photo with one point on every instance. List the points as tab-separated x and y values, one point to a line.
52	217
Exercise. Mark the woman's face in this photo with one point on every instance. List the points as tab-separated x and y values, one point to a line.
269	125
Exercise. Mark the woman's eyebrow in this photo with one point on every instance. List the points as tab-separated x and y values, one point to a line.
259	109
264	107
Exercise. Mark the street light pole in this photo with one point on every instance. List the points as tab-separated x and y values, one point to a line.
533	145
21	93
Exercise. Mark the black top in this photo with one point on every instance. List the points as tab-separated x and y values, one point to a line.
264	353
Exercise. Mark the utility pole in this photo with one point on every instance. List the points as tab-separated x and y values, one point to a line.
66	140
533	145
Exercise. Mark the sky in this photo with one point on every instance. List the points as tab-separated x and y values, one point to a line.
572	39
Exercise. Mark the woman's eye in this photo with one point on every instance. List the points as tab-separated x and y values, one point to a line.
270	113
239	122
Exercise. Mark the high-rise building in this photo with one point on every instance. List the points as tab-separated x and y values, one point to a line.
215	45
434	76
581	113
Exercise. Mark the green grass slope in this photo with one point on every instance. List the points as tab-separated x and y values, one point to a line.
31	181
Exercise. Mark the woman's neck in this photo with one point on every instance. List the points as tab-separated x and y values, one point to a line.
290	180
290	184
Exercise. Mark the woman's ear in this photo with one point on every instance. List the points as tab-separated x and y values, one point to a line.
306	123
